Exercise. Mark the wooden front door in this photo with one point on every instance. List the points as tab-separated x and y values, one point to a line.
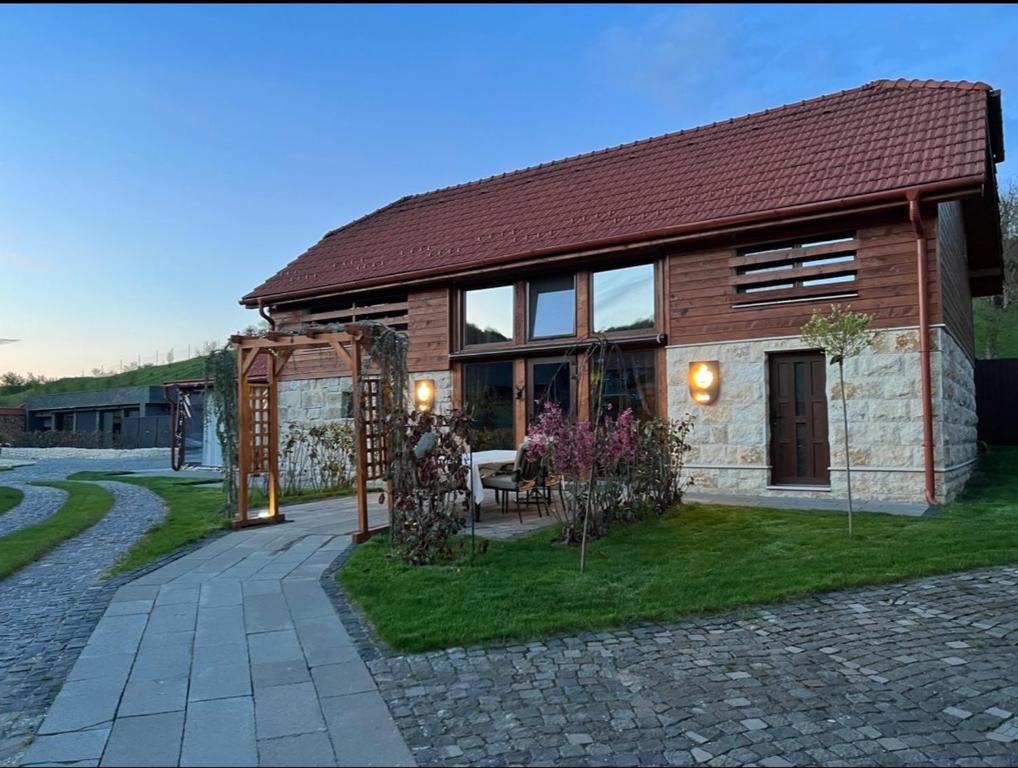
800	454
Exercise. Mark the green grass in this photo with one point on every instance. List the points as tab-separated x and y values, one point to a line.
194	510
152	375
984	315
9	498
85	506
701	558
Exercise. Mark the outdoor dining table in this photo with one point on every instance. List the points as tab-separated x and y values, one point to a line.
488	462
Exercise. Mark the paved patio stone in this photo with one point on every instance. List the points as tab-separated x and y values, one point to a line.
355	738
67	747
220	671
306	749
152	696
146	740
220	732
343	678
286	710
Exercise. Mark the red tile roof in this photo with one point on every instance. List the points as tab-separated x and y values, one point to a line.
887	135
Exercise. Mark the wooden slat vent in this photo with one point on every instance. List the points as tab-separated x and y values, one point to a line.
779	273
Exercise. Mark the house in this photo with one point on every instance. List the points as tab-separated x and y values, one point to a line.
12	423
710	245
129	417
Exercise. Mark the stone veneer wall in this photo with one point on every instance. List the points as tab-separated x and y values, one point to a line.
731	437
320	400
955	420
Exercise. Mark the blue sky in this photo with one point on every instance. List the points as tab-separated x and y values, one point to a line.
158	162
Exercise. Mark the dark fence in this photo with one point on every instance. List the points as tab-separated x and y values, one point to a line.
135	432
997	400
145	432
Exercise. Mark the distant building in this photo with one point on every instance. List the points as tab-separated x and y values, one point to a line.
12	423
128	417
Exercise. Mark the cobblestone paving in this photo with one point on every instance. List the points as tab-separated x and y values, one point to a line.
924	673
49	609
39	503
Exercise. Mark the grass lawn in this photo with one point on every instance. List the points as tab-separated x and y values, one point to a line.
9	498
700	558
194	511
85	506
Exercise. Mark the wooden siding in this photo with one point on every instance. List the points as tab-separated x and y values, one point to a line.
700	291
954	271
428	326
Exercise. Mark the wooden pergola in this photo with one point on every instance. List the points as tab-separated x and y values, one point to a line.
258	416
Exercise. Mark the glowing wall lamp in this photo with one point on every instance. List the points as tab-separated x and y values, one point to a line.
424	394
704	380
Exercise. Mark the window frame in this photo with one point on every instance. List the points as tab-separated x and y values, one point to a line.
462	324
526	305
625	332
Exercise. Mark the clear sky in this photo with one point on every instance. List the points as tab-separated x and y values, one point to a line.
156	163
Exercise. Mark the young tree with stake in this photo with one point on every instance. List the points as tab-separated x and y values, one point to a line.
841	335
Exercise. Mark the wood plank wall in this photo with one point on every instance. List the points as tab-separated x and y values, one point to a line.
955	271
700	291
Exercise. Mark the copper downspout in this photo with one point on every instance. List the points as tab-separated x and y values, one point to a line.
915	216
265	315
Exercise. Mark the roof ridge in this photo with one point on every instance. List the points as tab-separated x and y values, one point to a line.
903	83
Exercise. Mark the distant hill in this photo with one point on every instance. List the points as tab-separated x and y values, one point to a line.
1007	339
150	374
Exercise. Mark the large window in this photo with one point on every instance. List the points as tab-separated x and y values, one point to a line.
489	399
552	307
629	382
488	315
624	299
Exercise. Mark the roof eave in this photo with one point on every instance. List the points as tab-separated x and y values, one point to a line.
955	187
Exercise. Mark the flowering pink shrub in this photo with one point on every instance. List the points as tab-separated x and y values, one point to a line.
612	470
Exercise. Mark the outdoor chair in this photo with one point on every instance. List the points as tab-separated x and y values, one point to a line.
521	476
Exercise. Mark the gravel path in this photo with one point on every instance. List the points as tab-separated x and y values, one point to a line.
49	609
39	503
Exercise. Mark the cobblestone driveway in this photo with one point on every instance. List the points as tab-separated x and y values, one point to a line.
921	673
48	609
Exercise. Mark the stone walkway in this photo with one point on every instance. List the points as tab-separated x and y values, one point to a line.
924	673
39	503
49	608
230	655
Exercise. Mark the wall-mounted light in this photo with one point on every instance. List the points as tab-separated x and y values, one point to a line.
424	394
704	380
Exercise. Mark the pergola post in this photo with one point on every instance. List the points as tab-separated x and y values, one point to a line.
360	443
244	436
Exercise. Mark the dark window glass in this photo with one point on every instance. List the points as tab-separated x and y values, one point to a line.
488	391
552	307
489	315
629	382
552	382
624	299
800	389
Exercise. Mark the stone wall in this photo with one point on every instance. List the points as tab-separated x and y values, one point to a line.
955	420
731	437
321	400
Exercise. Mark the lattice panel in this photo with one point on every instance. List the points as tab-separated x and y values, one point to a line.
259	453
372	392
